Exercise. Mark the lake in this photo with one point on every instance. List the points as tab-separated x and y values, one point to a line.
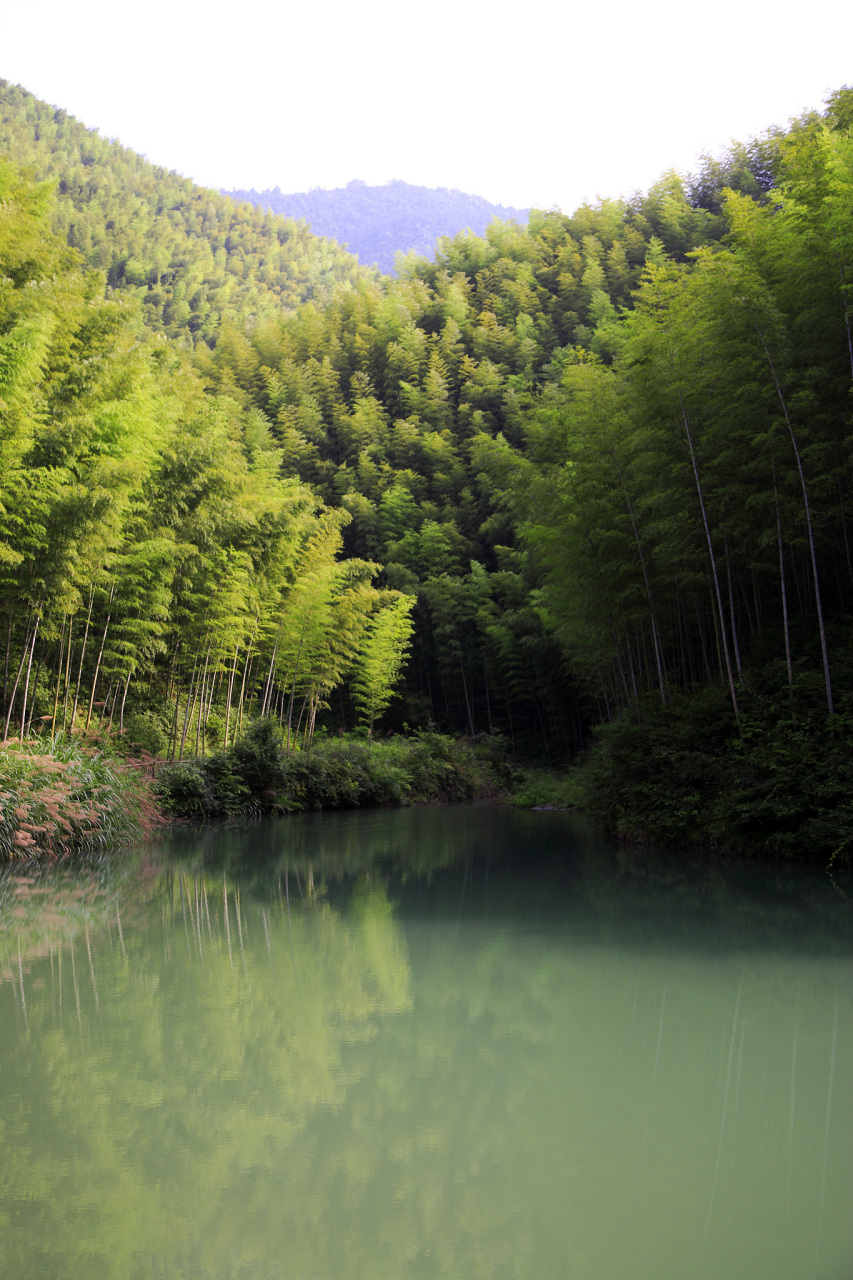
443	1042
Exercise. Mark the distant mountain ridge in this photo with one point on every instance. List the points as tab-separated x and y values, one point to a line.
377	222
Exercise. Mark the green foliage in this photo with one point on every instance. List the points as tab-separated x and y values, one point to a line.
381	658
194	259
683	776
257	776
546	789
145	731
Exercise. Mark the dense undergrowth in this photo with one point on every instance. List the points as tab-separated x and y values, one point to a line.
58	798
257	776
781	786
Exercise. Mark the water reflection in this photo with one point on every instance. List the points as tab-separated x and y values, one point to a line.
430	1043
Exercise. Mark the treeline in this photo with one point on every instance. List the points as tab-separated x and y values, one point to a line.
378	223
189	255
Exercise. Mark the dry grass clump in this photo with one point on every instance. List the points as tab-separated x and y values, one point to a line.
58	798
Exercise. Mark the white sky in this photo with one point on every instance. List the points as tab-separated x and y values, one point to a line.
527	105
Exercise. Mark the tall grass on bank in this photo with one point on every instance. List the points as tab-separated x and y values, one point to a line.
58	798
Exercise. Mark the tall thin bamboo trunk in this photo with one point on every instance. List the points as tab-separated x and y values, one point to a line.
732	613
190	701
36	679
231	680
646	580
722	620
97	672
27	684
80	667
268	685
807	508
58	676
123	701
67	672
14	692
247	667
784	591
201	699
467	702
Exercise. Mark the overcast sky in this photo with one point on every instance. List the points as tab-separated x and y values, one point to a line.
528	105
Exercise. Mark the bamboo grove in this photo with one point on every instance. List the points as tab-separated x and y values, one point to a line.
598	462
146	533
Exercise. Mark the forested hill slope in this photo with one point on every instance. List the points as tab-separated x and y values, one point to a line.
378	222
190	255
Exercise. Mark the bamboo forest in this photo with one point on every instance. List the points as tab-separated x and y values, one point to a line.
576	491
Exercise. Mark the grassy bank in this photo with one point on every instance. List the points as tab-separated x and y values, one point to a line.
59	798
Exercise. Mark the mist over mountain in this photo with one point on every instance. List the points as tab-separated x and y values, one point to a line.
378	222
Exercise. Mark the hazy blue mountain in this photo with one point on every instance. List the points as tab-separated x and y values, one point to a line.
378	222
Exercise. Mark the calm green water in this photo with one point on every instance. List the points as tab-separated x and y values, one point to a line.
461	1043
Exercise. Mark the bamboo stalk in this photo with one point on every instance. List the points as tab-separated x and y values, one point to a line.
58	678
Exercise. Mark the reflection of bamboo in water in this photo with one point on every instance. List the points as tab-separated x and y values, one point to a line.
289	926
164	921
120	934
722	1127
21	981
76	987
266	930
791	1123
737	1075
239	925
634	1010
227	922
184	911
826	1138
92	969
197	920
207	911
465	882
660	1033
60	981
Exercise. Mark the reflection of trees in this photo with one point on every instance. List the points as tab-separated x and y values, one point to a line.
195	1059
272	1082
45	908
